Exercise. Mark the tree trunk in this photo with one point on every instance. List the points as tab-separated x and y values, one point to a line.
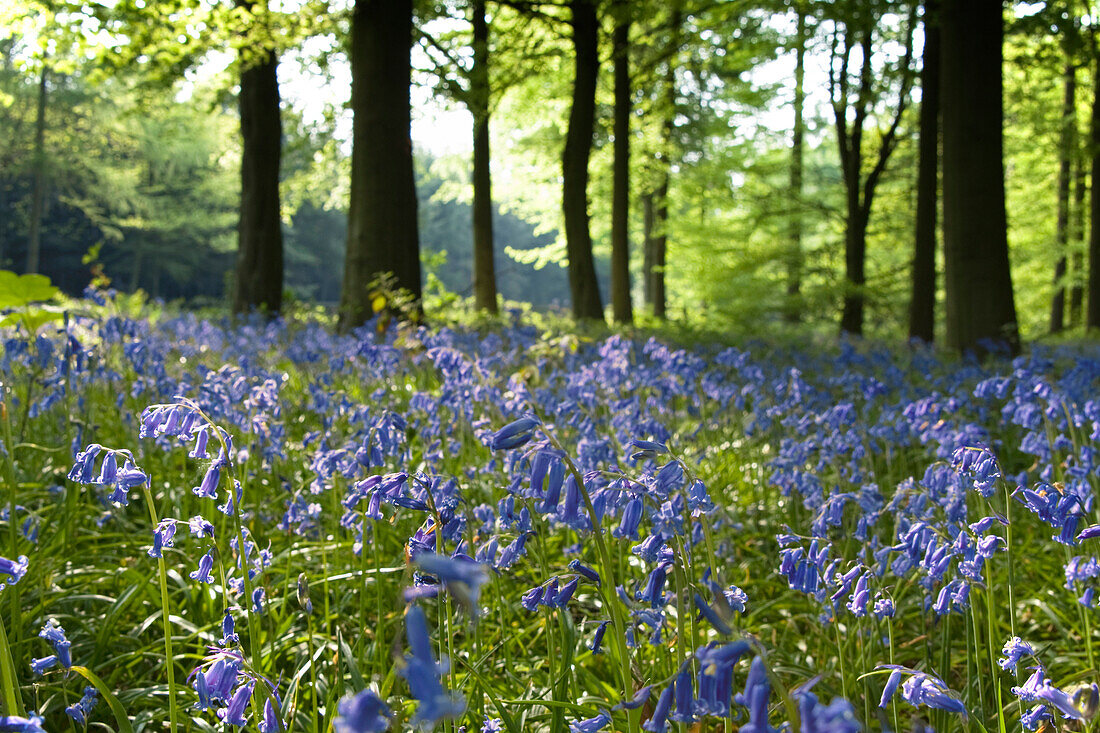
485	283
583	285
1077	236
855	257
648	234
977	277
922	304
793	310
1092	315
259	277
1066	147
621	306
38	192
660	246
382	228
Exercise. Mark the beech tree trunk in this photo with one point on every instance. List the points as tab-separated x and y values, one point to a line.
38	192
648	233
382	228
660	248
485	283
1077	236
793	310
1066	148
977	278
657	242
622	309
1092	315
259	276
583	286
922	304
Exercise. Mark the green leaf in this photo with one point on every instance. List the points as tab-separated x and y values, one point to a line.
116	707
17	291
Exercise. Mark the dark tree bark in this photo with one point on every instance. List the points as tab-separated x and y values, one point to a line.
1077	236
259	277
793	310
583	285
1092	315
622	309
860	190
38	191
485	283
977	278
382	227
648	224
1066	148
660	245
922	304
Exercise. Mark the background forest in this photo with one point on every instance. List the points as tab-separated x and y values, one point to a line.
122	146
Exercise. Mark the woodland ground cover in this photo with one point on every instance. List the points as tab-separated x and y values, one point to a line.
518	528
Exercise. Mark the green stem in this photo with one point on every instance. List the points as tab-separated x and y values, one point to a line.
169	657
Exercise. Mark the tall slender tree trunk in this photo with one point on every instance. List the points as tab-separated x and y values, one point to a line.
660	247
793	310
648	233
1092	315
382	227
855	257
622	309
485	283
259	277
977	277
1077	237
657	245
1067	146
922	303
583	286
38	192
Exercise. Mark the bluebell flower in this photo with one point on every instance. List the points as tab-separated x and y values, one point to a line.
586	572
645	449
163	535
712	616
658	722
1014	650
80	709
654	591
755	698
84	465
200	527
492	725
217	678
597	638
208	488
716	663
363	712
836	717
685	698
922	689
43	665
590	725
462	578
640	698
1037	688
233	714
206	564
514	434
14	569
421	671
55	634
562	597
18	724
